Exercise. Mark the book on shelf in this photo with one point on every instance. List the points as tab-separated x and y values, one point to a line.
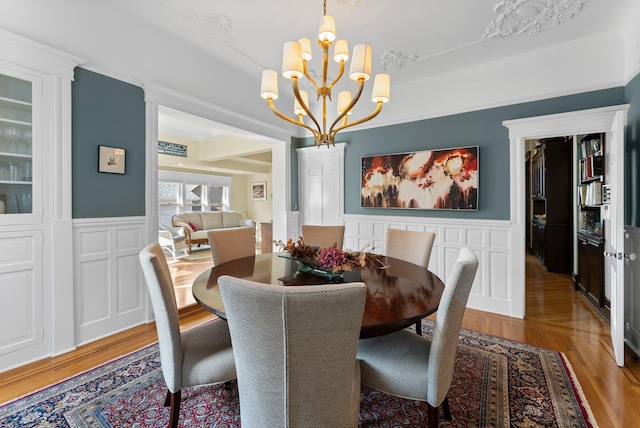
591	167
590	194
596	165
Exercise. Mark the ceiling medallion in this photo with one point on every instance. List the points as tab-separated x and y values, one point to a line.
530	16
395	60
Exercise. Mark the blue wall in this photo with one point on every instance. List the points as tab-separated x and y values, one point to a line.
632	155
107	112
481	128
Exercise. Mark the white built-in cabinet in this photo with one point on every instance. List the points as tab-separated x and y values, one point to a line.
36	316
21	235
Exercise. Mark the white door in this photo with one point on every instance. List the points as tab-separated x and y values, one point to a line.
614	259
321	184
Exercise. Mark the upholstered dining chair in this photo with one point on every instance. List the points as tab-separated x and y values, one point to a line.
201	355
231	244
411	246
296	365
407	365
324	236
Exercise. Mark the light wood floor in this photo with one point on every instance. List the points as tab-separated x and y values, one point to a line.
557	317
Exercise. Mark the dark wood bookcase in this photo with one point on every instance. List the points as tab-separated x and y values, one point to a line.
589	278
552	213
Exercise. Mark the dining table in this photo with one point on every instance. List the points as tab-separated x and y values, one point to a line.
399	293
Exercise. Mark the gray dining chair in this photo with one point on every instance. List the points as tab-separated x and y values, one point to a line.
201	355
323	236
295	351
411	246
231	244
407	365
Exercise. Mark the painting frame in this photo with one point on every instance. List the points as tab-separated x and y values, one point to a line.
433	179
111	160
259	191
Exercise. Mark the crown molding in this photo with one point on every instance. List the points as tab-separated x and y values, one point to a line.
27	53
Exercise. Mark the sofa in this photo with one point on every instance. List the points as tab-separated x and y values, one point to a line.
196	224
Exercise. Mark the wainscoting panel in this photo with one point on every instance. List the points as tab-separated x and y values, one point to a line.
632	289
109	288
489	239
128	297
21	288
93	293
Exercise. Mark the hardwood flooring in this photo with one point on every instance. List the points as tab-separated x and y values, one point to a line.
557	317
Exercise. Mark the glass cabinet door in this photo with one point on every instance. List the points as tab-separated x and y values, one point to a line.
16	150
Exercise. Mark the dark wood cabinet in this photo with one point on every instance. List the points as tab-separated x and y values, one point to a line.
551	208
590	279
590	276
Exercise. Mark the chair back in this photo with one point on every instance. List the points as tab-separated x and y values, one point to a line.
324	236
444	341
231	244
158	278
411	246
295	352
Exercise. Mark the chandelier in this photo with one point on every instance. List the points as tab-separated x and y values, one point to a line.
294	66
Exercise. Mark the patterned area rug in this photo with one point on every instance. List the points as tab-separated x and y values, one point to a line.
497	383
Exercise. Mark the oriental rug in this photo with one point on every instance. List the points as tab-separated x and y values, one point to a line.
497	383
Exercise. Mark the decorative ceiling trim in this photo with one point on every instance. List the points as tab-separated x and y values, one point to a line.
392	60
217	26
530	16
353	3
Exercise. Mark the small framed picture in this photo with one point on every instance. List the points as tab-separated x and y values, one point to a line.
111	160
259	191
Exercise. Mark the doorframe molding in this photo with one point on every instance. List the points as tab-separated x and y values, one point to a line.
571	123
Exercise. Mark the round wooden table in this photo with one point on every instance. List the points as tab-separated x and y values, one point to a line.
397	296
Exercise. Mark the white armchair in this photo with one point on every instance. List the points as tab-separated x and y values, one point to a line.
171	239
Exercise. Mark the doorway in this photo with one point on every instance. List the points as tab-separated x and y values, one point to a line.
608	119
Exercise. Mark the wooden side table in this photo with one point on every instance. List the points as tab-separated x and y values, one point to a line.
266	236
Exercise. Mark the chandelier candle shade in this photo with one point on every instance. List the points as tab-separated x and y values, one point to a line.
294	66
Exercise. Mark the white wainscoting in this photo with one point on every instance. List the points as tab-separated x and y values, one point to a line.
22	308
489	239
109	290
632	289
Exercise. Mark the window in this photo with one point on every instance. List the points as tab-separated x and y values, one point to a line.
182	192
218	198
168	201
194	197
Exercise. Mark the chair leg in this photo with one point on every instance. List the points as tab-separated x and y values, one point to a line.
173	400
432	416
419	328
447	409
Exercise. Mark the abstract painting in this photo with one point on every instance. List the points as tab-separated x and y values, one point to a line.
430	179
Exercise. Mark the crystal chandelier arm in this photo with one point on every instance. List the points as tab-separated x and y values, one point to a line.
288	119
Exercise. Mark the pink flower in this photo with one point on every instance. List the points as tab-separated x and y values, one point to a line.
331	257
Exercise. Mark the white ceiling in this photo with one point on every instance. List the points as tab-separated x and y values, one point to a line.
216	51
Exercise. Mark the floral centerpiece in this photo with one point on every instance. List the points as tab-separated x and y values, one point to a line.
330	261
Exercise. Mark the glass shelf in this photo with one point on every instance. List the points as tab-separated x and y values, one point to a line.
16	146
